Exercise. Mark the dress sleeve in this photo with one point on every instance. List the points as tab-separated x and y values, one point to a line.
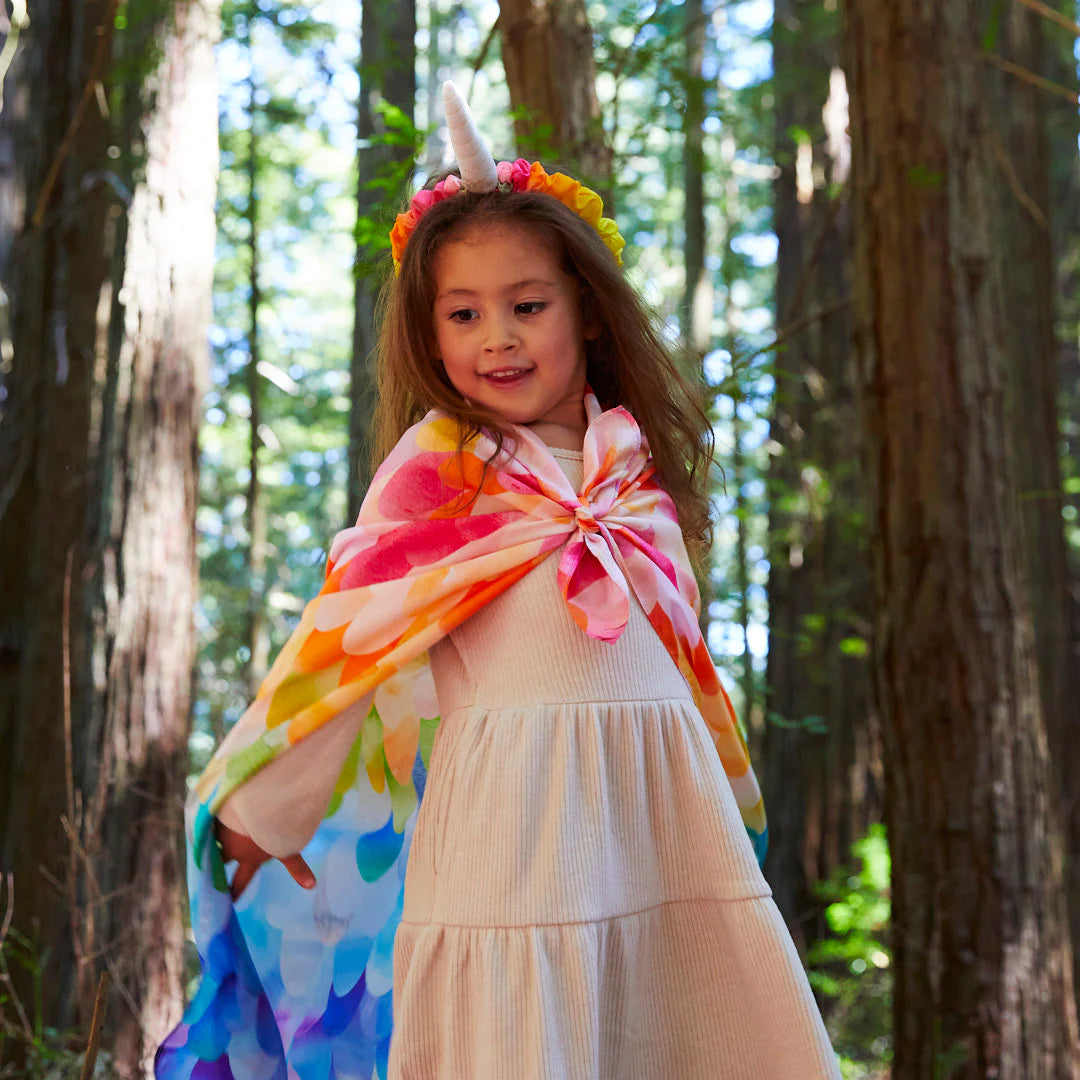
281	806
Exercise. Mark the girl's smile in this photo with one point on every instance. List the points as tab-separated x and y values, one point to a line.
507	376
510	330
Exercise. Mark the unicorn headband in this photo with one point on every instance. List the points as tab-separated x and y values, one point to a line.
479	172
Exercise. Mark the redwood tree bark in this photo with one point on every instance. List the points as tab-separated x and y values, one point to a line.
387	73
983	961
110	290
1065	241
696	311
1021	147
547	50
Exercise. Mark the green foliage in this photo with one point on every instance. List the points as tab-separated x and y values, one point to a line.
993	27
400	129
535	140
390	181
295	26
922	177
852	968
815	725
855	646
29	1047
137	45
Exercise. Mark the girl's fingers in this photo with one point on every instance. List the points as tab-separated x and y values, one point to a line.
300	870
245	871
250	861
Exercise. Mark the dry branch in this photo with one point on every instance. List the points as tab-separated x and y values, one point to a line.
94	1040
1048	12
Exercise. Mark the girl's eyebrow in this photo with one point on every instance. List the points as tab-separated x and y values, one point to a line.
506	288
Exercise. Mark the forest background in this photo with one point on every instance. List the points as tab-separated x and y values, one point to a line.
858	224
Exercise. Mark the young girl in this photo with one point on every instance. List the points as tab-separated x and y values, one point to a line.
528	818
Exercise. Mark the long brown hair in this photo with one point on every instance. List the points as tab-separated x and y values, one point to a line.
628	364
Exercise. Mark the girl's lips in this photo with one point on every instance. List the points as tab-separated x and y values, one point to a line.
507	380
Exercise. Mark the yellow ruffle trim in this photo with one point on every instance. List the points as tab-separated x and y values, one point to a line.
582	200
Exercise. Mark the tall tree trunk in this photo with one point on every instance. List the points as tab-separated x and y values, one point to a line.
983	961
11	29
110	289
258	631
695	312
1021	147
49	483
547	50
821	756
730	210
697	296
387	73
433	145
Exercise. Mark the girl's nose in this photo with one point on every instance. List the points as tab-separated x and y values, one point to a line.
501	335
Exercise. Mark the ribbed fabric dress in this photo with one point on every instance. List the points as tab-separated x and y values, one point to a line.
581	898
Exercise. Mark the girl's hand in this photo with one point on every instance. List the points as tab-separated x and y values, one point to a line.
240	848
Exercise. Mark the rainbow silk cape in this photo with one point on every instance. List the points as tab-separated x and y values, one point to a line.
297	983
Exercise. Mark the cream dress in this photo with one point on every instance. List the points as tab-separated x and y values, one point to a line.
581	898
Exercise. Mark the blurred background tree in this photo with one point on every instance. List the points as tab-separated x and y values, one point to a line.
112	147
958	382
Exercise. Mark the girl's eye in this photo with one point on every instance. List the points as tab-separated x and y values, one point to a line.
527	307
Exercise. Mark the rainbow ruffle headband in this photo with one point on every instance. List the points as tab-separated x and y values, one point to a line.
520	175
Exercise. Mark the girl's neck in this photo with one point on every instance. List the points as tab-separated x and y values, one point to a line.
564	426
559	435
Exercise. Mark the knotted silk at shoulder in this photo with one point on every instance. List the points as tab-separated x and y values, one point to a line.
304	978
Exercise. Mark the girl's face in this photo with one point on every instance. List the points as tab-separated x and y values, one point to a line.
509	326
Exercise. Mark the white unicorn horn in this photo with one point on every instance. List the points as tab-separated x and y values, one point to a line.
473	156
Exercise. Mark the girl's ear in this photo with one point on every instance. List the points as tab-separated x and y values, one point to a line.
590	329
